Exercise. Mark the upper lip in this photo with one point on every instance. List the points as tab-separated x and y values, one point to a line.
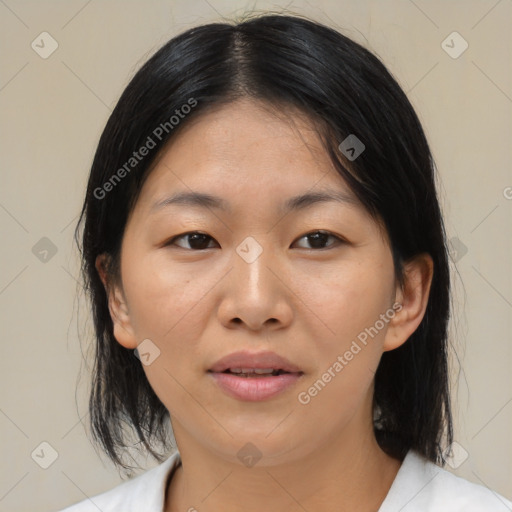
246	359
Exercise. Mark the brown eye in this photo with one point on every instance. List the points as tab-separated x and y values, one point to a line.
196	240
318	239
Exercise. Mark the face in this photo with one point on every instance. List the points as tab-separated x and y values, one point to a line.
306	283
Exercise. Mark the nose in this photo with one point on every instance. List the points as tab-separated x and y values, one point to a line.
255	293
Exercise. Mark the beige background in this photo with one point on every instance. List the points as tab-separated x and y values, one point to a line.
53	111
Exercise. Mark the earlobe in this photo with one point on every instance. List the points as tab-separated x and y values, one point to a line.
118	309
413	297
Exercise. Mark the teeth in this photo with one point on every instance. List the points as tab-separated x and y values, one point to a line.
263	370
259	371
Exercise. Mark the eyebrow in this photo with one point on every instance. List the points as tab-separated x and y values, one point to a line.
300	202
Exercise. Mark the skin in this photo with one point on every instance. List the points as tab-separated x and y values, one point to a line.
198	303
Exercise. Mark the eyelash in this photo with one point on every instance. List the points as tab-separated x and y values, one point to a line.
323	232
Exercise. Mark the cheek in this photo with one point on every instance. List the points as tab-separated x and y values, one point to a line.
351	303
347	298
168	306
162	297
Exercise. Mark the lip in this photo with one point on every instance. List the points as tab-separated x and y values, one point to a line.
254	389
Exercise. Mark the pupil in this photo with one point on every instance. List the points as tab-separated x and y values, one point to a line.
318	237
194	237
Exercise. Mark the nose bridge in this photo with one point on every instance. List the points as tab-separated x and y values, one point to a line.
251	262
253	294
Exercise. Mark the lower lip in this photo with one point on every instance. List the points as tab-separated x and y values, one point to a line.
253	389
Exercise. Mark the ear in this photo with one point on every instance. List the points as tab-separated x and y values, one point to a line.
118	308
413	297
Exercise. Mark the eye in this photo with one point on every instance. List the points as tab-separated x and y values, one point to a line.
196	239
318	238
199	241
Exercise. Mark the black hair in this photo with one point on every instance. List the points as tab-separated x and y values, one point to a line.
344	89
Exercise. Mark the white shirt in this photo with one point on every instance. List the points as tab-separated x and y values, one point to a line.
419	486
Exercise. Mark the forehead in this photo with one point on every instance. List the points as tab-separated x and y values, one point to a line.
244	149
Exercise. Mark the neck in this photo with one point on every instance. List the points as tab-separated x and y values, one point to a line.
345	474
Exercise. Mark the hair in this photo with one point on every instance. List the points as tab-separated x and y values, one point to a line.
287	62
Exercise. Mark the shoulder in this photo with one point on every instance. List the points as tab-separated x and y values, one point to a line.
421	486
144	492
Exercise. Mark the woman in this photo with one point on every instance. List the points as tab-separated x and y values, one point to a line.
267	266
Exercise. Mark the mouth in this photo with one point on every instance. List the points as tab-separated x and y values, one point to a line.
254	363
254	376
256	372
